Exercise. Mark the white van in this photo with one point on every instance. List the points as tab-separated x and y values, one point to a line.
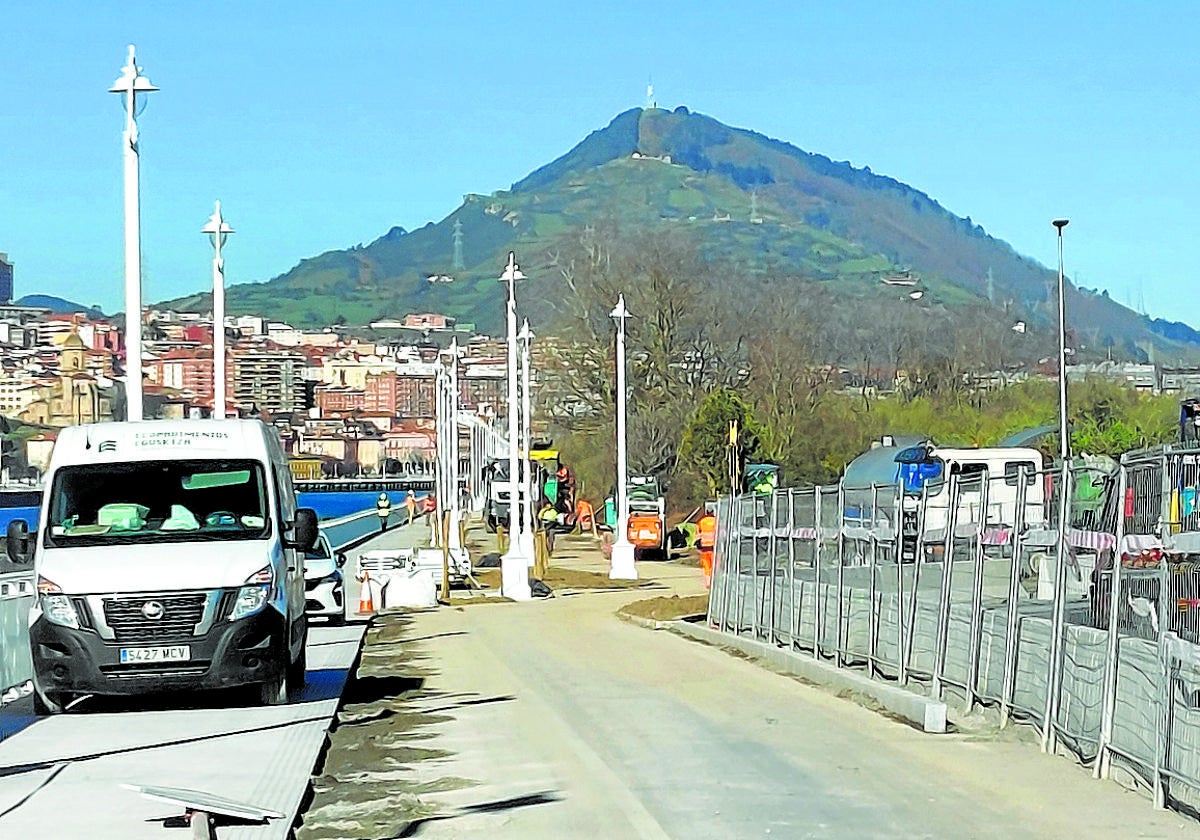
927	467
169	555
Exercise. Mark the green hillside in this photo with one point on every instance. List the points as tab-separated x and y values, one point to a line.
766	211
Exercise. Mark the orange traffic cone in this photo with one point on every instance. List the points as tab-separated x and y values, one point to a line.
366	602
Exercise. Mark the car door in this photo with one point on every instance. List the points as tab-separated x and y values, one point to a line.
293	559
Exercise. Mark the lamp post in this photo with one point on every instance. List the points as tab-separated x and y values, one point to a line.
623	566
452	446
527	485
1053	675
218	231
439	476
514	565
132	83
1064	447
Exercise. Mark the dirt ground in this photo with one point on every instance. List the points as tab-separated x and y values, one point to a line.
667	608
366	786
563	578
362	790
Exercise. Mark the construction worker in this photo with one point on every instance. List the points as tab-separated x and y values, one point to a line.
383	507
706	539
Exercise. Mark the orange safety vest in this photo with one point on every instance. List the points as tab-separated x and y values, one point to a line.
706	530
583	514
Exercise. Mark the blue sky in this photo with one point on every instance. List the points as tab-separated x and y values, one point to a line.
322	125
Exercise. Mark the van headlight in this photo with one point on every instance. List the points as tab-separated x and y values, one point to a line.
254	594
56	606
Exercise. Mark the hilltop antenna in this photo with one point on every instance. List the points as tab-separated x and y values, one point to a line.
458	255
650	103
1141	299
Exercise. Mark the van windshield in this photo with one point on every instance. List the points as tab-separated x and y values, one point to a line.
157	501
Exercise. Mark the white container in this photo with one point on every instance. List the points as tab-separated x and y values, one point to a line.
410	587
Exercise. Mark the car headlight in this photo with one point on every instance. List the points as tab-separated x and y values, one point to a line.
56	606
254	594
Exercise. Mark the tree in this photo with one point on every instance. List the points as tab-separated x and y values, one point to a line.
705	444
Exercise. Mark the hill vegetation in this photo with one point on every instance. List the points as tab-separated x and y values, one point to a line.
766	213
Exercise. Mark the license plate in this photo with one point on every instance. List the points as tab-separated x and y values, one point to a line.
172	653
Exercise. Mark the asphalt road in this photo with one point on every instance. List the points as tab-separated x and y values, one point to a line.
566	721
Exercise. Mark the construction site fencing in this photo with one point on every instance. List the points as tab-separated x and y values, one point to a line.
972	592
16	668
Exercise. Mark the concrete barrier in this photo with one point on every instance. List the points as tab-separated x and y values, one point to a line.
925	712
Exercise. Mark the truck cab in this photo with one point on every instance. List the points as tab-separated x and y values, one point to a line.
169	555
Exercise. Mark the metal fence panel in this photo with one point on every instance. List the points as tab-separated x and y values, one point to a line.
16	597
1090	631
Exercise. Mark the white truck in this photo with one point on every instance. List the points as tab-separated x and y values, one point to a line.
169	556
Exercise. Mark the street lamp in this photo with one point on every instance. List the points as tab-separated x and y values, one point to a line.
1064	489
439	477
514	565
1064	447
131	84
623	566
526	338
452	446
218	231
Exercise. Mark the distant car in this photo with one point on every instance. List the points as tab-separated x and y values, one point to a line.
323	585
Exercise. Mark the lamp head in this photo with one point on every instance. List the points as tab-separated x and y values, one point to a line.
525	334
217	226
1060	224
620	313
511	271
131	80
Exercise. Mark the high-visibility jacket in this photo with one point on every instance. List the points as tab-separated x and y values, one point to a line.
706	531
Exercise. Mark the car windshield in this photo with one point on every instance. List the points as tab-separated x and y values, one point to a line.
158	501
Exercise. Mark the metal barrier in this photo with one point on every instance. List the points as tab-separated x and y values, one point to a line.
16	668
1090	631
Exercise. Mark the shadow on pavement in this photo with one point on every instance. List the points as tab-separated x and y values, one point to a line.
373	689
513	802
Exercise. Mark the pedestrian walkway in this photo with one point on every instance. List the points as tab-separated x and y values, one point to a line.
554	718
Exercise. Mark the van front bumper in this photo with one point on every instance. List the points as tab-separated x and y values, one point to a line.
232	653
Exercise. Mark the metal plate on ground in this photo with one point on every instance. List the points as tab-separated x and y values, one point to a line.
256	755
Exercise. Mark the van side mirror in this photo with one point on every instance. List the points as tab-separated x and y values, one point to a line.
341	560
304	530
18	545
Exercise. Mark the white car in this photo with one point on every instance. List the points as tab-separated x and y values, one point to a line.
323	589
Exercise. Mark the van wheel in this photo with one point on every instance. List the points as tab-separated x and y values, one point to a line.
296	670
47	704
274	692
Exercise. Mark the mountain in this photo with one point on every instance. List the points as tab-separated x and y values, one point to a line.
751	203
60	306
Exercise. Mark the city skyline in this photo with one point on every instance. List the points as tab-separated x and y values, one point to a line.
321	130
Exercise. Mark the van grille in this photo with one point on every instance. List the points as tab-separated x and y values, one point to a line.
181	614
